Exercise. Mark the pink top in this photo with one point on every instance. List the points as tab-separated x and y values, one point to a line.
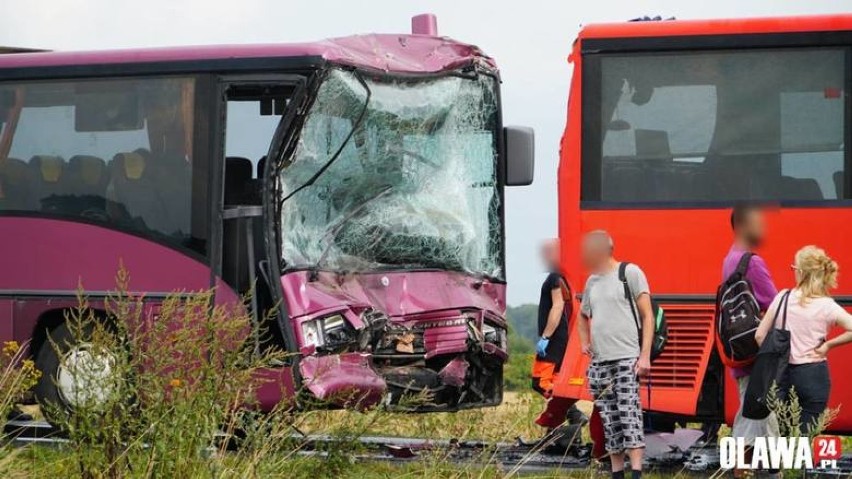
809	324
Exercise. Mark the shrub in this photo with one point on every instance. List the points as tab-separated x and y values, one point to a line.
789	414
166	381
17	376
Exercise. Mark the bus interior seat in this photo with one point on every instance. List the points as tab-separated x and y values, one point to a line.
806	189
174	176
621	182
49	176
239	186
653	144
87	175
838	177
726	178
16	185
135	188
653	147
700	184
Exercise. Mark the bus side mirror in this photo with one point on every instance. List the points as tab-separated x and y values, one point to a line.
520	155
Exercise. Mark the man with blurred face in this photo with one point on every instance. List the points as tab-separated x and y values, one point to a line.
749	227
610	335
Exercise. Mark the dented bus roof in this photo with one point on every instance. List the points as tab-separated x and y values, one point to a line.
401	53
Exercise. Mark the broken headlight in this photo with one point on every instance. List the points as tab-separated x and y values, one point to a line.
329	332
494	335
310	333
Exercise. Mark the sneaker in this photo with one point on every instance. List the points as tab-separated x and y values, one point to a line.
576	417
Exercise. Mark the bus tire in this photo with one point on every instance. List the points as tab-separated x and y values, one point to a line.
72	375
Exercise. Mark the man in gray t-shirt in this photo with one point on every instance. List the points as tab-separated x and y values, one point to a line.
610	335
615	336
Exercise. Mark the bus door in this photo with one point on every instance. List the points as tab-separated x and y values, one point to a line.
252	111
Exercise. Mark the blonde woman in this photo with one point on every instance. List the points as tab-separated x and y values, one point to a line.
811	313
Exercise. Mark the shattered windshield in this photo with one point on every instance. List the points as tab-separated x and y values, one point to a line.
413	184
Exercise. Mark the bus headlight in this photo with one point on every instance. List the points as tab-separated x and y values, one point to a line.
311	334
329	332
494	335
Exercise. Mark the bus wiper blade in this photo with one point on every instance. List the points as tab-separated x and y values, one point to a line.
345	142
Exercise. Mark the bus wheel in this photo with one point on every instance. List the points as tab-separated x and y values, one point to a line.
75	375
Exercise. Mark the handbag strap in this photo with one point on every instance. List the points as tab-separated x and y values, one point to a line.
785	298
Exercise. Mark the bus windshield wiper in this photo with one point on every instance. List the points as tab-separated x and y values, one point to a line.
345	142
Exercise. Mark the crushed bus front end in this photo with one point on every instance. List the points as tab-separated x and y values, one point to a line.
424	341
388	219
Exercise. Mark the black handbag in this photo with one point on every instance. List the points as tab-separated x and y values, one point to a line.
770	365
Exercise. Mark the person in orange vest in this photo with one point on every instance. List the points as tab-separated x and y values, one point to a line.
555	309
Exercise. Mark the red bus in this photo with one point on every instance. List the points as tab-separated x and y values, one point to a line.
670	123
357	182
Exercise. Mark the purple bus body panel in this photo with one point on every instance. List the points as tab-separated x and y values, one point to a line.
56	255
42	273
398	294
276	385
389	52
343	379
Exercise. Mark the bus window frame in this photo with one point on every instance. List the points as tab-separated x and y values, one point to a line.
200	147
219	131
594	49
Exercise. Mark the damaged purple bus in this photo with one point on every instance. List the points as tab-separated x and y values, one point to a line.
356	184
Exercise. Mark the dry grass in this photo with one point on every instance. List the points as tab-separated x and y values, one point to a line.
512	419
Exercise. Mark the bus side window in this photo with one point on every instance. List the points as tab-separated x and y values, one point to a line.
72	156
812	142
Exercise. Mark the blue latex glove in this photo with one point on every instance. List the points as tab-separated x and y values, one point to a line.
541	347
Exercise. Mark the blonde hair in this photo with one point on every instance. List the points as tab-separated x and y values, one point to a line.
816	273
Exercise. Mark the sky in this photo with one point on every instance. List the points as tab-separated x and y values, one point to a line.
529	40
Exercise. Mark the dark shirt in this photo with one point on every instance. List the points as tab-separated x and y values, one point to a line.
559	338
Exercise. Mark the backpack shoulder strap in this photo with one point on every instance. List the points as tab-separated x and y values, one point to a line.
628	295
742	266
622	276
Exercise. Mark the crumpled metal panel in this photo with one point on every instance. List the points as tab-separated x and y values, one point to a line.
455	372
413	184
445	339
403	53
398	294
343	379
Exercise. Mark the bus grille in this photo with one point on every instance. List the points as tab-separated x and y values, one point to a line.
690	337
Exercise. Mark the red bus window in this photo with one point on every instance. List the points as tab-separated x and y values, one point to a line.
714	127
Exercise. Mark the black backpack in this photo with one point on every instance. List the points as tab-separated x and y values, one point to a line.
737	318
661	328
